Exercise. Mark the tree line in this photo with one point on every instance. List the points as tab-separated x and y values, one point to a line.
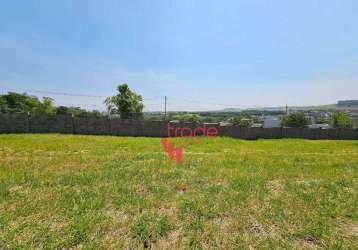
125	104
23	103
337	120
298	119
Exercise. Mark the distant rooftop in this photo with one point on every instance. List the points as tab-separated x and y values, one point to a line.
348	105
348	102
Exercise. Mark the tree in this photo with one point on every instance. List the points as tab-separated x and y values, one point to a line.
341	120
237	119
188	117
242	121
22	103
4	108
45	107
62	110
191	117
295	120
77	111
126	103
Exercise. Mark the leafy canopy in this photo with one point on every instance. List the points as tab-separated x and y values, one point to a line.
295	120
77	111
22	103
126	103
341	120
188	117
242	121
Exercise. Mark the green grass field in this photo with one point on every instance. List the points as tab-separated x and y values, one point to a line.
98	192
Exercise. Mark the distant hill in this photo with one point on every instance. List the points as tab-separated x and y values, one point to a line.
302	108
319	107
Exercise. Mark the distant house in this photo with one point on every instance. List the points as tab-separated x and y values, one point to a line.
322	126
256	125
347	105
225	123
355	123
272	122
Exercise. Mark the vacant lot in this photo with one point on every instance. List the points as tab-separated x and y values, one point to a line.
66	191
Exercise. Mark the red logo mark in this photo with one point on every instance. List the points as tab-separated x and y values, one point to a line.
187	133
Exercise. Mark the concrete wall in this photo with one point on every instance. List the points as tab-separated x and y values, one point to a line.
22	123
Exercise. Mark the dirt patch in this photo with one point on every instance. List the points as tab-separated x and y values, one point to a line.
307	181
171	241
309	242
348	228
275	186
168	210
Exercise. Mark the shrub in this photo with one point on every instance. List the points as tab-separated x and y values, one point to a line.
242	122
295	120
341	120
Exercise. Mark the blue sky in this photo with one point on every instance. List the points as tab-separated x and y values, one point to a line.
236	53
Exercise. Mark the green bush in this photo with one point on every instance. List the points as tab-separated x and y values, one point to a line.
242	122
295	120
341	120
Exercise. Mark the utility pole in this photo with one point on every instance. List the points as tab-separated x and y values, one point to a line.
165	108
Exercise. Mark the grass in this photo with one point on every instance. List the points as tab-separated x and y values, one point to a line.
94	192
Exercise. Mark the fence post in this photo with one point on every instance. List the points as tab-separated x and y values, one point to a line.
87	126
73	124
28	122
319	134
339	133
109	126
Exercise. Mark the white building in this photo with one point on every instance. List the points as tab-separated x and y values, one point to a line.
347	105
272	122
322	126
355	122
